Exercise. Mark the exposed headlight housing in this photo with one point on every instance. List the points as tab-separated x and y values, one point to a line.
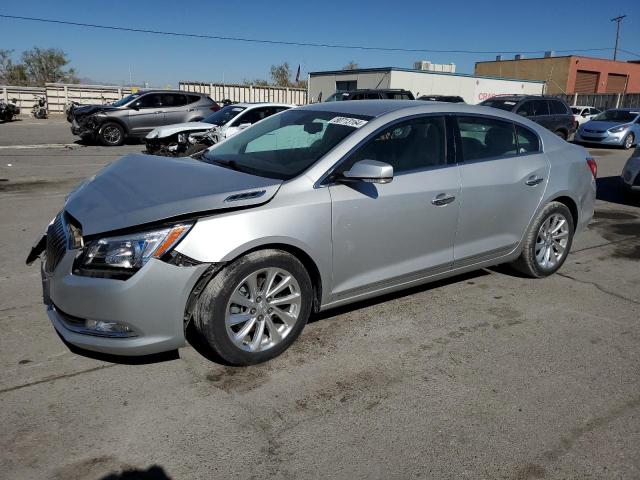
128	253
182	138
619	129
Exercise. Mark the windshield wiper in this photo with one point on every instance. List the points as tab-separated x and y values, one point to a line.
231	164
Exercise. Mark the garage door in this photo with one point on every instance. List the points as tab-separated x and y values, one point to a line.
586	82
616	83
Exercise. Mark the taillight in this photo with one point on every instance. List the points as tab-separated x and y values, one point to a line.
593	166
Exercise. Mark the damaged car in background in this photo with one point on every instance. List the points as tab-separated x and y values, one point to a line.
185	139
137	114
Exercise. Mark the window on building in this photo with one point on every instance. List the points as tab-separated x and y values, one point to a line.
346	85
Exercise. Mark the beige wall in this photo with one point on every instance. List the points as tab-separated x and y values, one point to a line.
247	93
554	71
327	83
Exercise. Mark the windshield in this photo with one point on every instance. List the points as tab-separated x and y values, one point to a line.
224	115
617	116
284	145
501	104
125	100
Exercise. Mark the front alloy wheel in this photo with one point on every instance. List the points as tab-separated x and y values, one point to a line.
255	307
628	141
263	309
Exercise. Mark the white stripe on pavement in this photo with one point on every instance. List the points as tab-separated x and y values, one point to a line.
42	145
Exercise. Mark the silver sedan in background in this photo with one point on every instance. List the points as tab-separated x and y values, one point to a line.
313	208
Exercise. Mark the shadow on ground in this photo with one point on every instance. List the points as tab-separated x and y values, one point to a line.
611	189
154	472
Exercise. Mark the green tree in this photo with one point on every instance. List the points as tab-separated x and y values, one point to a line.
47	65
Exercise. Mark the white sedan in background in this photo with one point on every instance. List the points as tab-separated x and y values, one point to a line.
226	122
582	113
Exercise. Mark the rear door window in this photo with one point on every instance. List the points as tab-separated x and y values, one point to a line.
173	100
194	98
528	141
484	137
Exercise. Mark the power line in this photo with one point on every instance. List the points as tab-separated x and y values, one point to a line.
282	42
629	52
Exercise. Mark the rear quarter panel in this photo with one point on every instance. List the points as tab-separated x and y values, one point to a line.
570	177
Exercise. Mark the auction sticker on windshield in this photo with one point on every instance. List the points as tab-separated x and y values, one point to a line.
348	122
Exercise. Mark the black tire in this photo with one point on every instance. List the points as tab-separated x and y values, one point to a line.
195	148
526	263
111	134
41	114
561	133
211	309
628	141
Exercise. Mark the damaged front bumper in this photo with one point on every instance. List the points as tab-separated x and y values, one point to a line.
85	127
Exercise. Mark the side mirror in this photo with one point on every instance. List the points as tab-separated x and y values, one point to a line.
370	171
242	126
135	106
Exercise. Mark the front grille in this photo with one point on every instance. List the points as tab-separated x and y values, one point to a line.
56	243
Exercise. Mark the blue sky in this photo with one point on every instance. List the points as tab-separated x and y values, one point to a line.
163	61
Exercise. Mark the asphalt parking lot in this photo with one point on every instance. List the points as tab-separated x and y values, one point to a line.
487	375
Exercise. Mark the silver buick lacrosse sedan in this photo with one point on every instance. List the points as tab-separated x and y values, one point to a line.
312	208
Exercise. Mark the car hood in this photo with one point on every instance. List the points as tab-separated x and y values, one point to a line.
168	130
601	125
140	189
91	109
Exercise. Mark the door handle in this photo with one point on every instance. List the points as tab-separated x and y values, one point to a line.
442	199
192	109
159	111
533	180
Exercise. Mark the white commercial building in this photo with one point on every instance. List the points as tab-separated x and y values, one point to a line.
472	88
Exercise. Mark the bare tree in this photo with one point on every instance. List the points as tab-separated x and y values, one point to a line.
350	66
281	75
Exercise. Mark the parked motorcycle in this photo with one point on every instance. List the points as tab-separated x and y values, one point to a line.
39	109
69	109
8	110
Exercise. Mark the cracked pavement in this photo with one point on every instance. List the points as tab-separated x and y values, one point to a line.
485	375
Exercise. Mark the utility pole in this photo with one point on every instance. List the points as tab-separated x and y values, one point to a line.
617	20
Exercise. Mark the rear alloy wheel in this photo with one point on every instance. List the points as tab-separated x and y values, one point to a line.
111	134
547	242
627	143
255	308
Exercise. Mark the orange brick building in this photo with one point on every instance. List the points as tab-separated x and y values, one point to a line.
569	74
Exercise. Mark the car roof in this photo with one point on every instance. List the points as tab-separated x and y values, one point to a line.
377	108
371	108
260	104
170	91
